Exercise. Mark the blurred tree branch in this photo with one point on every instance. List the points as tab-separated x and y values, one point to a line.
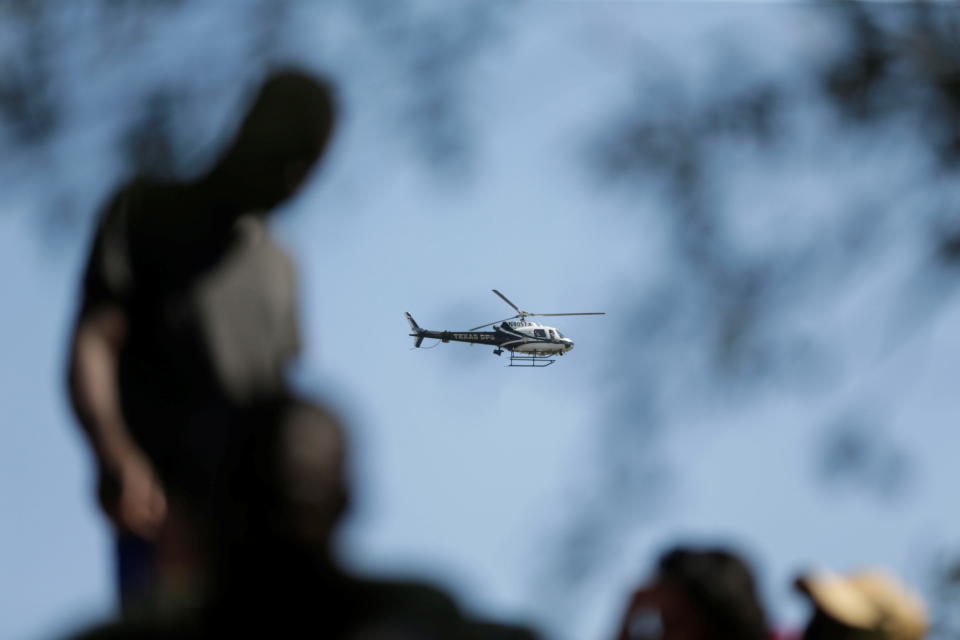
726	319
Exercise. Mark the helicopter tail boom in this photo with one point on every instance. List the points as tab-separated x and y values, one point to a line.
475	337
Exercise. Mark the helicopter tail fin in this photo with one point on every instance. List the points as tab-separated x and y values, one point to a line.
417	331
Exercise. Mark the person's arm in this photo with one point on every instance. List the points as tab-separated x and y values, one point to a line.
642	601
623	633
129	491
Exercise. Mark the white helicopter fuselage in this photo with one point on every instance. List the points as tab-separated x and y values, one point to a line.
536	338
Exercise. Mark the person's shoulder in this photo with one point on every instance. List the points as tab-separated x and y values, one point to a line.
139	630
147	193
125	201
490	631
405	595
432	610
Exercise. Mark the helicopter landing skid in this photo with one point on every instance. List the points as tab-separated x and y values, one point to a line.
530	361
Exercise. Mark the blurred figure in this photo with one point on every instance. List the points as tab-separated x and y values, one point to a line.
697	594
868	605
277	575
188	315
271	527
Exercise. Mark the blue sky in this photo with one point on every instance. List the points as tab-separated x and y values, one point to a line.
468	472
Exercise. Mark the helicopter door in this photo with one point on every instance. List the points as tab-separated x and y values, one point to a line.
539	333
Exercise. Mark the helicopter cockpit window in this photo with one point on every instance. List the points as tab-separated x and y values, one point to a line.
540	333
560	335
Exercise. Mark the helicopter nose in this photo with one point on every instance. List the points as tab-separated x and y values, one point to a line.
569	345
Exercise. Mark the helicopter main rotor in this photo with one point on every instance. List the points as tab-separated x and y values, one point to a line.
525	314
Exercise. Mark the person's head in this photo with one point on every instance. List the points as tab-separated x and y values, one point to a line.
311	480
867	605
705	594
283	134
285	487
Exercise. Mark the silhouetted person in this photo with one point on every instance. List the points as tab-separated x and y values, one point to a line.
869	605
696	594
276	569
273	514
188	312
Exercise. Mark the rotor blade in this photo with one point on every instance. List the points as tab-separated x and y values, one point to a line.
505	299
490	323
588	313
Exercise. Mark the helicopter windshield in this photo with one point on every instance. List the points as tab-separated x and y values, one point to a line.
560	334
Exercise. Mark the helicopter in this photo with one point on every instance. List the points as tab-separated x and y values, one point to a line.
530	344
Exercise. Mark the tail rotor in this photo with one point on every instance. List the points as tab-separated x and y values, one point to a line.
417	331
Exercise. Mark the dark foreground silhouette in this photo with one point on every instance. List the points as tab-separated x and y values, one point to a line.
267	533
188	315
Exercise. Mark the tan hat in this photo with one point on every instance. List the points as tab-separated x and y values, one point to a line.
871	600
